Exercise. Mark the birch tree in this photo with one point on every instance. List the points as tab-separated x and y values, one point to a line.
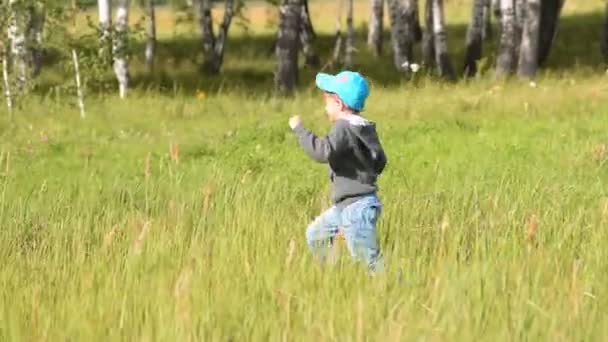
105	28
506	62
474	41
120	47
375	31
549	19
350	35
286	75
17	42
604	42
307	34
150	53
442	57
402	14
213	47
528	52
428	39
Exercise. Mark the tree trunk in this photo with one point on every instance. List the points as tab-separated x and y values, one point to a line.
403	32
339	41
350	36
505	63
121	58
549	18
528	53
105	29
604	42
416	21
150	35
34	37
428	39
486	34
474	38
286	76
17	41
375	34
220	42
442	57
207	34
307	34
520	13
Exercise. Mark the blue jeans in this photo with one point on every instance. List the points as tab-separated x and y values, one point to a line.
358	224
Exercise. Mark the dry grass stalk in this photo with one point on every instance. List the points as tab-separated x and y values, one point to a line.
174	152
291	251
147	167
531	228
182	291
139	241
109	237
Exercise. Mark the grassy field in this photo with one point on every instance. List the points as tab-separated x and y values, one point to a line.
171	216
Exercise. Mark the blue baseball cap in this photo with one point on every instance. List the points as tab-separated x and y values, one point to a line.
351	87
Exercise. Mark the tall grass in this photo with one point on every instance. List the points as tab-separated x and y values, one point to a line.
176	218
171	216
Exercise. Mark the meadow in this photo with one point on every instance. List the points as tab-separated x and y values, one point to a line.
179	213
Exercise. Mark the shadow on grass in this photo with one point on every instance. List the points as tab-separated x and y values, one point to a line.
249	60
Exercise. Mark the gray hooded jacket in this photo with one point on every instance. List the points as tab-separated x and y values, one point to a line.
354	154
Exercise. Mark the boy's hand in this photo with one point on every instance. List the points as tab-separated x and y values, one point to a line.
294	121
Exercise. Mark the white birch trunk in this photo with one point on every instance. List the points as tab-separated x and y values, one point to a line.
120	51
339	44
375	34
78	84
604	43
286	76
104	8
306	36
350	36
442	57
150	53
7	84
505	63
474	38
16	36
528	54
34	37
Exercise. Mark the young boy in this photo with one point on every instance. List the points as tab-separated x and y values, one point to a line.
355	157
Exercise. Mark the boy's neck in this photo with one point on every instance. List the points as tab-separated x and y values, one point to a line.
345	114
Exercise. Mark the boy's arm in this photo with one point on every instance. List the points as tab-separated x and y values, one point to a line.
380	162
320	149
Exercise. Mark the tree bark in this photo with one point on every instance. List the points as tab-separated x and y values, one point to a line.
442	57
150	35
207	34
505	63
120	51
428	39
549	19
486	34
402	14
286	76
528	53
220	42
350	36
520	13
105	29
339	40
604	42
35	30
475	38
307	34
17	40
375	33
